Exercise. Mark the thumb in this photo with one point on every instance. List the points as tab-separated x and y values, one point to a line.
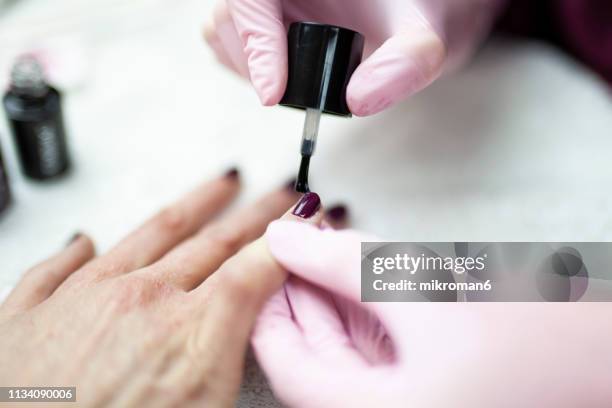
327	258
264	38
404	64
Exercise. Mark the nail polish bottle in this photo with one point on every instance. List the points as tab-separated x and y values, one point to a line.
322	59
34	111
5	192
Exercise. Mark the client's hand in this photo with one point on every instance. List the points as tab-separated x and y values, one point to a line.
161	319
321	347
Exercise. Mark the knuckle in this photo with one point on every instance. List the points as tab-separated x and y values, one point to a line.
100	268
171	219
130	292
37	280
74	283
226	239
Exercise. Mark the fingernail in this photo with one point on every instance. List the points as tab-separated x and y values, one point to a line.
337	213
307	206
72	239
233	173
290	185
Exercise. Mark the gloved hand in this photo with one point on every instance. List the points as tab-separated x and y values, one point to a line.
321	348
408	43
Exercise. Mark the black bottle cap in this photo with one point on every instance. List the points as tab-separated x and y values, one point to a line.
322	59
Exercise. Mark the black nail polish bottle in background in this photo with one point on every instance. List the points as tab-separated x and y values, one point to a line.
5	192
34	112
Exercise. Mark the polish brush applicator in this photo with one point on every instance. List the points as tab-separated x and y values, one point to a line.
322	59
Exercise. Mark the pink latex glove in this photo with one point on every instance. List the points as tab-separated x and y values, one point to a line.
321	348
408	42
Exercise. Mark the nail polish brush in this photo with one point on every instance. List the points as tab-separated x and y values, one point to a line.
322	59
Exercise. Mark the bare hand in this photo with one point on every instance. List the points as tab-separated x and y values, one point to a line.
161	319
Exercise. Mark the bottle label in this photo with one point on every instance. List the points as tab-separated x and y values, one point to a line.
49	151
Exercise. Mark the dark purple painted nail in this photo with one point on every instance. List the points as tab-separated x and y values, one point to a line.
233	173
337	212
307	206
74	237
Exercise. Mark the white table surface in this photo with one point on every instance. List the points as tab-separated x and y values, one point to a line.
516	147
